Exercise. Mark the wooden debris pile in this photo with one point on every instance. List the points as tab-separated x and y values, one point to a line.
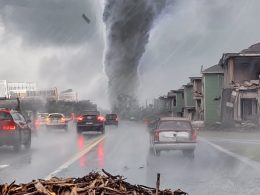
92	184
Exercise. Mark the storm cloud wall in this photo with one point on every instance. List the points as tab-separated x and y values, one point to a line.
128	23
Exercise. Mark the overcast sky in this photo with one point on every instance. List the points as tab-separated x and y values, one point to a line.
48	42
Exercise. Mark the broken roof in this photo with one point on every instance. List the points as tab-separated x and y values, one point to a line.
188	85
216	69
227	56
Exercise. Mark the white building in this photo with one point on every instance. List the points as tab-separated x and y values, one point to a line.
19	89
68	95
3	89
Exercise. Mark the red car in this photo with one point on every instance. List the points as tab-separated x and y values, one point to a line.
14	129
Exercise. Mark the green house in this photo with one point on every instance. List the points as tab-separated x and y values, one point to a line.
212	79
189	102
178	102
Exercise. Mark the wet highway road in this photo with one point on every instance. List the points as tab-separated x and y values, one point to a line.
124	151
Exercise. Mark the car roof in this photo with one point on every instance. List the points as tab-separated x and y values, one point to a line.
8	110
174	119
55	114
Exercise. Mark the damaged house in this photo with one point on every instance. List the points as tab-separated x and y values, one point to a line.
241	94
189	103
172	104
198	97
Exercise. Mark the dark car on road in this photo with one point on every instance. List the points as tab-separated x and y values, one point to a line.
56	121
90	121
111	119
172	133
14	129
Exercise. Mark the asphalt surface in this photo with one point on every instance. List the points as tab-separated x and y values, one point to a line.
124	151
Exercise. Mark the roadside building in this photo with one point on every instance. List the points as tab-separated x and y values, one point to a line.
189	103
68	96
212	84
3	89
178	102
45	94
198	97
19	89
241	93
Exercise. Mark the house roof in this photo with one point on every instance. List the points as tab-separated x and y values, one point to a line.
195	78
216	69
178	90
188	85
227	56
252	49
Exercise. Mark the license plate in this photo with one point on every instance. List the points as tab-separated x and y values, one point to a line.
55	121
168	137
89	123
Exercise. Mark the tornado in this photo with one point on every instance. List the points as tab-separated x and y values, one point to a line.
128	24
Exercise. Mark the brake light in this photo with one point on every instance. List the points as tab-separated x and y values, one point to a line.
62	120
80	118
156	135
194	135
101	118
9	126
37	123
48	120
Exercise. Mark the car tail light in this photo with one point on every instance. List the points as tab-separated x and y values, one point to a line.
62	120
156	135
116	118
80	118
101	118
193	135
37	123
48	120
9	126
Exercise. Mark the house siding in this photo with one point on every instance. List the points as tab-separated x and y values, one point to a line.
213	84
188	96
179	102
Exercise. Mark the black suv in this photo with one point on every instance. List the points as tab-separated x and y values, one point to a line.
112	119
90	121
14	129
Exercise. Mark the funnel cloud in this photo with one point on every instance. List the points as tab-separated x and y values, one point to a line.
128	25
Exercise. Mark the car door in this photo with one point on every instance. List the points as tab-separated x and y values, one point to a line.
24	129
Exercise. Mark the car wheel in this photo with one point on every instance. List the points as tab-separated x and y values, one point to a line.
66	128
157	153
79	131
27	145
102	130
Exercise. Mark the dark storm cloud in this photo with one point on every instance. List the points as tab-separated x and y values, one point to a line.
49	22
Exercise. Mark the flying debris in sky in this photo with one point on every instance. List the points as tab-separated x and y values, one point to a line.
86	18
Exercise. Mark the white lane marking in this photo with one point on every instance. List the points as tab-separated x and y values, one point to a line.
76	157
243	159
3	166
242	141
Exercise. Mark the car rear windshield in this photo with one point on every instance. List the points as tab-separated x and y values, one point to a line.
111	116
175	125
5	116
55	116
90	113
43	115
